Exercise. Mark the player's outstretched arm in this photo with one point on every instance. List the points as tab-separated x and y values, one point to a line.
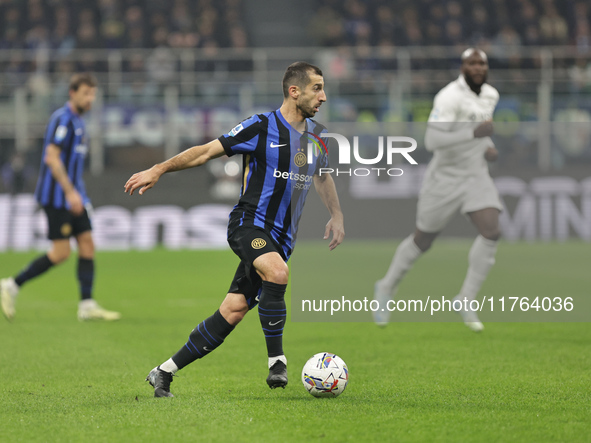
191	158
325	187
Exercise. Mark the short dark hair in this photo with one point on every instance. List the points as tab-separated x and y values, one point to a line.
298	74
83	78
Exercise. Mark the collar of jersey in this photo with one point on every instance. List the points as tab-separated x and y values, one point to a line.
72	113
286	123
464	85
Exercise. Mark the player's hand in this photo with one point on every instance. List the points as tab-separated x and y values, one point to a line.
336	225
74	199
143	180
485	129
491	154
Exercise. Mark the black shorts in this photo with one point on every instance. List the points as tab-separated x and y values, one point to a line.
63	224
249	243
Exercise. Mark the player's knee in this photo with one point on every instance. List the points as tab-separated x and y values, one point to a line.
424	246
234	317
492	234
424	240
279	275
85	246
423	243
58	255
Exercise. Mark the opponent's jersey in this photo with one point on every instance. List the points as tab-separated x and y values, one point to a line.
457	108
277	173
67	131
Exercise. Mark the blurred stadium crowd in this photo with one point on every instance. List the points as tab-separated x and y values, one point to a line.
63	25
456	22
365	32
359	29
207	50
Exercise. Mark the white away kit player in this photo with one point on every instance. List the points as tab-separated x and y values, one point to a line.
457	178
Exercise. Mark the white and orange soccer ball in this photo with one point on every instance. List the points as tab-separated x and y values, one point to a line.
325	375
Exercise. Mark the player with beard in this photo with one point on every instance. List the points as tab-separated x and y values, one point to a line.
277	175
457	178
62	194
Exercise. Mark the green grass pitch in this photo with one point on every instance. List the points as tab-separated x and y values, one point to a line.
68	381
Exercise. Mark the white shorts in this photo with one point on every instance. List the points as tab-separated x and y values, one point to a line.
440	200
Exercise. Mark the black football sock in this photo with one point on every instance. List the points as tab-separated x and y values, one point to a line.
272	314
85	277
207	336
35	268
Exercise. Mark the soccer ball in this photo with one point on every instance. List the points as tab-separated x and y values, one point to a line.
325	375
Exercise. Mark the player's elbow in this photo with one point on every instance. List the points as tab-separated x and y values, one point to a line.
319	180
50	159
203	158
205	153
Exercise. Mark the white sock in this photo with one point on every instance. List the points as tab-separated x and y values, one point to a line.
481	259
273	360
169	366
404	257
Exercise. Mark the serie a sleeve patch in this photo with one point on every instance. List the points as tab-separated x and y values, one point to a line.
60	133
236	130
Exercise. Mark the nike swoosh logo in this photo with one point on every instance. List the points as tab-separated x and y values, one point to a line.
273	145
257	298
205	349
276	323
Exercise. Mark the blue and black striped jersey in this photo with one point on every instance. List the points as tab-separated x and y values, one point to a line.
277	173
66	130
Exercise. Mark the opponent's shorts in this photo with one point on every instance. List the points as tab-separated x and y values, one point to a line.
62	224
249	243
439	202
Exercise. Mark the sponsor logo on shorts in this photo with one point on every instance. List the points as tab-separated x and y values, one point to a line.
66	229
258	243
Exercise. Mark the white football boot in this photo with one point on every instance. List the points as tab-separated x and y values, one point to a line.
90	310
382	315
8	292
468	316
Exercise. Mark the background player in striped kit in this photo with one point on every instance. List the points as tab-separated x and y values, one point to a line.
62	194
457	178
263	225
